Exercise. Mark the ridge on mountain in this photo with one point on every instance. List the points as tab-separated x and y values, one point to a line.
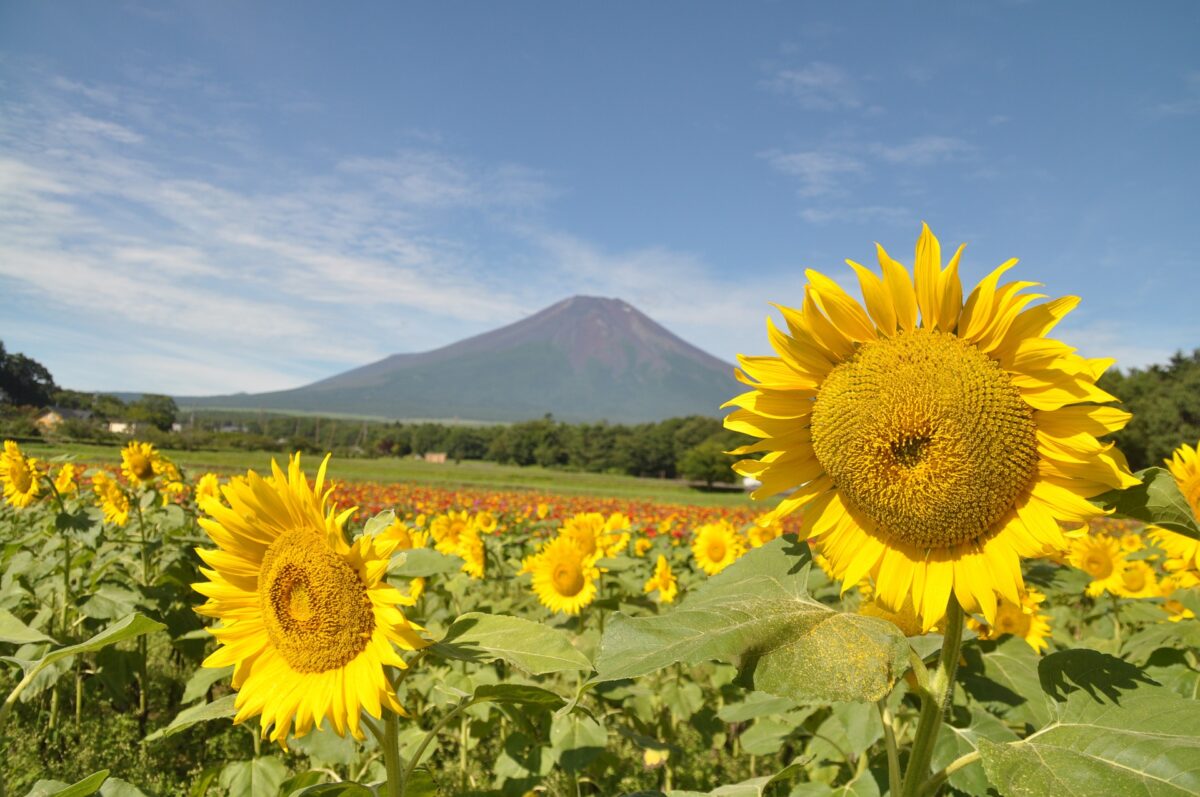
585	358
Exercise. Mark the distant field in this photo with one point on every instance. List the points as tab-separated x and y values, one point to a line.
466	474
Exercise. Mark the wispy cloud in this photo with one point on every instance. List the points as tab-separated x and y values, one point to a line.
819	86
819	172
923	150
1188	102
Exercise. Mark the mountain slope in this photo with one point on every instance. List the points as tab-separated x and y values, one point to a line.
582	359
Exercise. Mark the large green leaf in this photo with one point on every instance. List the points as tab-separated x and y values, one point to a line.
1156	500
535	648
53	788
202	680
424	562
218	709
15	632
758	613
1004	677
259	777
576	740
127	628
961	738
1113	732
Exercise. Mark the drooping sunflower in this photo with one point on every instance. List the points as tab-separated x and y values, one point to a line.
405	537
663	580
485	521
716	546
111	498
930	442
587	531
564	577
66	480
1024	619
471	550
18	474
1184	465
641	545
307	621
141	463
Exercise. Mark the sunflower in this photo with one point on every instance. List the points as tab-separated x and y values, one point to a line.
66	480
642	545
485	521
1184	465
1023	619
406	538
18	473
564	577
113	500
587	531
307	621
759	535
716	546
1136	580
470	549
929	454
1101	557
906	619
209	486
447	528
141	463
663	580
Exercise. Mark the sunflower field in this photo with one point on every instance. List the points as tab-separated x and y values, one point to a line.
954	585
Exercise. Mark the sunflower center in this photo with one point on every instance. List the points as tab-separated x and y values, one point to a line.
927	436
1098	565
315	606
1009	621
716	550
1134	578
141	466
21	476
568	579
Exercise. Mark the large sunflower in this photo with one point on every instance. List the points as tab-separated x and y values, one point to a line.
307	620
1185	467
931	442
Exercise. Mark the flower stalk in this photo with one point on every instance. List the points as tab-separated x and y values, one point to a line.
934	702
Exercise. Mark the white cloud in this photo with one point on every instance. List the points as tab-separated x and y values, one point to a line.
820	172
819	86
827	214
923	150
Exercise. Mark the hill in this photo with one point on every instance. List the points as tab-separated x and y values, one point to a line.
583	359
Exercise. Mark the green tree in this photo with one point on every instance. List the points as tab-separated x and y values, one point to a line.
1165	402
156	410
24	381
707	462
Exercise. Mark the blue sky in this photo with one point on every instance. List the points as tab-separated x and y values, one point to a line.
218	196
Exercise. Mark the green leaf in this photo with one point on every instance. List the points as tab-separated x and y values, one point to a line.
325	748
202	680
863	785
115	787
54	788
1156	500
1111	733
849	730
260	777
127	628
344	789
420	784
753	706
576	740
1171	668
516	693
535	648
759	613
379	522
1004	678
14	631
422	562
962	738
193	715
755	787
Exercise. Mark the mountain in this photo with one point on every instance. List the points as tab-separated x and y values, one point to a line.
583	359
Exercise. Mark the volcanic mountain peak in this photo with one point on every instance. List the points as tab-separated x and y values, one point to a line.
583	358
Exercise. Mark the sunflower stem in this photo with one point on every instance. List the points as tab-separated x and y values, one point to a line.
391	755
893	753
934	702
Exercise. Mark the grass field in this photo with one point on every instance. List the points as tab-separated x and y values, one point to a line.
466	474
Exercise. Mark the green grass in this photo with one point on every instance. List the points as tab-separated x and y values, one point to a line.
485	475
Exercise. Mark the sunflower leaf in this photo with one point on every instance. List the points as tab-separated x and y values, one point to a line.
193	715
535	648
1156	500
55	788
1113	731
758	613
